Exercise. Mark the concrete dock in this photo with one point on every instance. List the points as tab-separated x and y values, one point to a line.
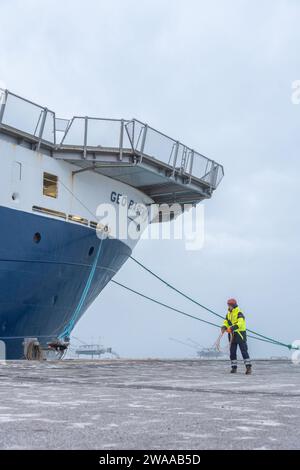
149	404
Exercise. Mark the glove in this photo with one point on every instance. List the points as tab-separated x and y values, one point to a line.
229	330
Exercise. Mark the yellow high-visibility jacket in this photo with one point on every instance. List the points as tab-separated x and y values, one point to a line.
235	320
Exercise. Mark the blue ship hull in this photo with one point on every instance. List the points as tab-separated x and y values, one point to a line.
41	282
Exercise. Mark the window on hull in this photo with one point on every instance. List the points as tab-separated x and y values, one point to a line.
78	219
50	185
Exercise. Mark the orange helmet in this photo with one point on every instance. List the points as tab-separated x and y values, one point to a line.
232	302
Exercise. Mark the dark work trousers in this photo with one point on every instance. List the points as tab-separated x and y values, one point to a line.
242	343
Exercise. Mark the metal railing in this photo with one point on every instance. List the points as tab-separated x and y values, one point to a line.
28	117
87	133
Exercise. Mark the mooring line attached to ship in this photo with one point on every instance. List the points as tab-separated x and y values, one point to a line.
262	337
174	309
71	323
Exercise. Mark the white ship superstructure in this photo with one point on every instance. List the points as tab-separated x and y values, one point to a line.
54	174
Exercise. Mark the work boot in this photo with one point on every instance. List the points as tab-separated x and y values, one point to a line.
248	370
233	370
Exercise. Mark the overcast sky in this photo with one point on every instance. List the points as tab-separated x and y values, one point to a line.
217	75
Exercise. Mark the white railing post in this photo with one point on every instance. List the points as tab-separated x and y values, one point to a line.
42	127
3	105
121	139
175	157
191	164
85	136
213	174
144	138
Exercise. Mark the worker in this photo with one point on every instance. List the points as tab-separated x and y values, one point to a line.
235	325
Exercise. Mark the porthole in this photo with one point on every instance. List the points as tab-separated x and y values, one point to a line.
37	237
91	251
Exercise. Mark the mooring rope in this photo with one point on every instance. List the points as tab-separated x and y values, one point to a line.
71	323
174	309
265	338
257	336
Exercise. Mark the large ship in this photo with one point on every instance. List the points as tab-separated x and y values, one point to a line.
55	256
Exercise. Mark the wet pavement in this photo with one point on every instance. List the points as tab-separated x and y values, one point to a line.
148	404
